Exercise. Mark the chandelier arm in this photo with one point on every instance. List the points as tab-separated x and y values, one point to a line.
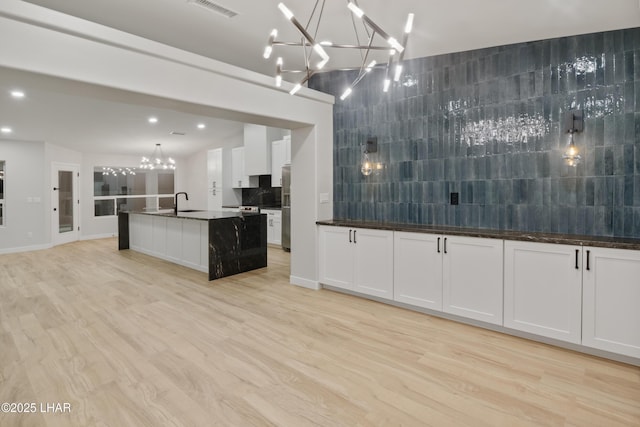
315	35
364	60
332	46
355	29
306	57
312	13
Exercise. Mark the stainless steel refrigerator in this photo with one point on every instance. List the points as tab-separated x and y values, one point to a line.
286	208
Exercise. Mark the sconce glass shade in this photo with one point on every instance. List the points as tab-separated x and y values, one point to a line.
572	156
366	167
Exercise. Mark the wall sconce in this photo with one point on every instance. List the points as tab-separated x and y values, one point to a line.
573	122
367	167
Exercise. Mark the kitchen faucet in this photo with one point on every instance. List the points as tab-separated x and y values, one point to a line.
175	208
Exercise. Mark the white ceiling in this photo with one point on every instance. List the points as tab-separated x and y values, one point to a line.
117	123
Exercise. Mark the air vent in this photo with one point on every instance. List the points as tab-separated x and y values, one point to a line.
214	7
175	132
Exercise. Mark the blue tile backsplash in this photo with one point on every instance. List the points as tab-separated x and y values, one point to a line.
487	124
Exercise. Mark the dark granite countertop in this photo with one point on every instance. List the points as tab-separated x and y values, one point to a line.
199	215
564	239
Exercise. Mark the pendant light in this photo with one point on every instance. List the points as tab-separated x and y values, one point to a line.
157	160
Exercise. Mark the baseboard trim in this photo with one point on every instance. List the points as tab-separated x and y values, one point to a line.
25	249
98	236
304	283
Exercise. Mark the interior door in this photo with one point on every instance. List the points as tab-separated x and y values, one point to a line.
65	203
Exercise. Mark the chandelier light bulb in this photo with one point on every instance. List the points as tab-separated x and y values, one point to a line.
394	44
325	57
398	73
346	94
370	66
279	72
295	89
409	26
355	9
285	11
269	47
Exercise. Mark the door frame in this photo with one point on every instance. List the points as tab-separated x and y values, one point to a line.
72	236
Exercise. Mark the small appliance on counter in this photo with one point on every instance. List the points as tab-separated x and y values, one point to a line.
286	208
249	209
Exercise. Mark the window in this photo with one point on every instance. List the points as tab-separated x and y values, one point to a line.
2	170
122	189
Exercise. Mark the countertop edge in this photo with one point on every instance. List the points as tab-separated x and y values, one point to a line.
604	242
198	216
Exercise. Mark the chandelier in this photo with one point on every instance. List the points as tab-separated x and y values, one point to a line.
311	47
106	170
157	160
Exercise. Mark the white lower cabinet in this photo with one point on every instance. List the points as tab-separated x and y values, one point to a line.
543	289
611	300
274	226
336	256
472	278
182	241
417	272
357	259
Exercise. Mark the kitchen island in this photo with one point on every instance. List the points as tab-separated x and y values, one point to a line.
218	243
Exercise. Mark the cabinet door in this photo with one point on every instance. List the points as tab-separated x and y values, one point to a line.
472	278
336	256
237	166
271	236
214	175
543	289
374	262
277	228
277	161
611	300
287	150
257	154
417	269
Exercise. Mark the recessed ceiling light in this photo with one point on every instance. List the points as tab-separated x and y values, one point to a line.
153	120
5	129
17	94
201	126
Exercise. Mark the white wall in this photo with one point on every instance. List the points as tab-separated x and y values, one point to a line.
99	55
26	199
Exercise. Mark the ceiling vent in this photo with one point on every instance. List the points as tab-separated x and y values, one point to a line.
175	132
214	7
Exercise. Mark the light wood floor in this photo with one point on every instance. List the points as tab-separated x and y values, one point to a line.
129	340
